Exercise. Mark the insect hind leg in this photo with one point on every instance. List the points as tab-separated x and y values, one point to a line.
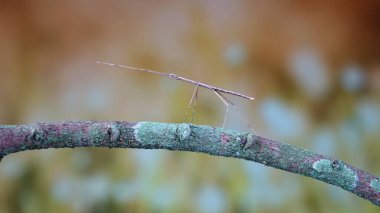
192	104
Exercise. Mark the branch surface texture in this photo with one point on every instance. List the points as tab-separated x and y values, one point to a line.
192	138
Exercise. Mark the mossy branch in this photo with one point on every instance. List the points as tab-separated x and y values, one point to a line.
192	138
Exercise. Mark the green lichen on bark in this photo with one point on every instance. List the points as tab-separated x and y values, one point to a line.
336	173
375	183
189	137
153	134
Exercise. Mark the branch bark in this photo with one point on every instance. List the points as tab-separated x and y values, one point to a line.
192	138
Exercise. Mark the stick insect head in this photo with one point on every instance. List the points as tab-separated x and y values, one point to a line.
171	75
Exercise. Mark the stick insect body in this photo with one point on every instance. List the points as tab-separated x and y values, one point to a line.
218	91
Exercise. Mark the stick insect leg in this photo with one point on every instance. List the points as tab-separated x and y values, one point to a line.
238	112
193	102
225	102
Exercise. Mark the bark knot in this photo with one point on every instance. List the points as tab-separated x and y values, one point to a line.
113	133
37	135
183	131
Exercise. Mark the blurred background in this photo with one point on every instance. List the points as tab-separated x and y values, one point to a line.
313	67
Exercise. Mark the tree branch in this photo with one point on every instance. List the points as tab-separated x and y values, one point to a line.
193	138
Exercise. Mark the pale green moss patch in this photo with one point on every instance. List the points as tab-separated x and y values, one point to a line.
153	133
161	134
375	184
335	172
323	165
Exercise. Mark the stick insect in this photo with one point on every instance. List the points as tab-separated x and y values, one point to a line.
217	90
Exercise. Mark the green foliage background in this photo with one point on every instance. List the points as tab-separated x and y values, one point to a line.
314	68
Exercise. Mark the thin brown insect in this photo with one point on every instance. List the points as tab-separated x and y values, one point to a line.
218	91
176	77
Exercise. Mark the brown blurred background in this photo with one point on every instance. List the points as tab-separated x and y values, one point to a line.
313	66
